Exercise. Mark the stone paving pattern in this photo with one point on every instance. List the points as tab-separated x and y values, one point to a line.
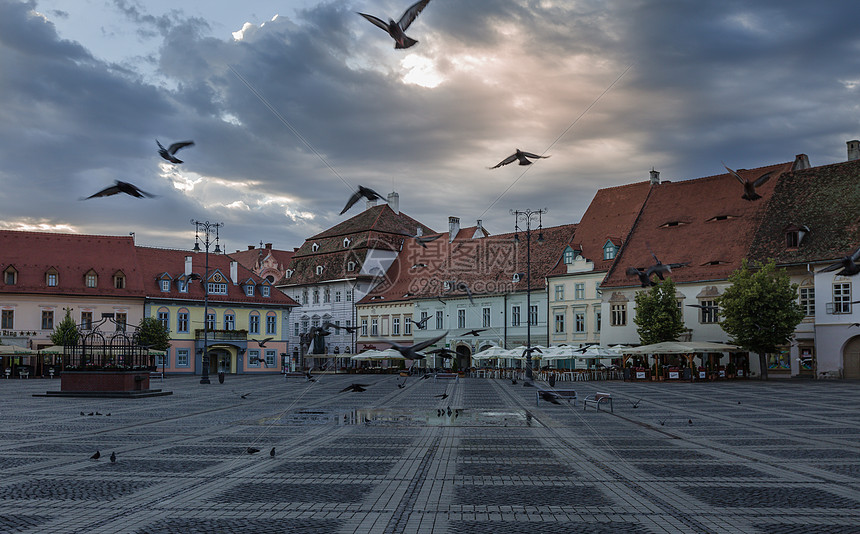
731	457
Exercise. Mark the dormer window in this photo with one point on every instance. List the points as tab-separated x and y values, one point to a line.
249	290
715	262
569	256
517	277
119	280
165	285
609	251
91	279
10	276
319	269
315	247
350	266
52	277
794	235
182	285
346	242
721	218
289	273
266	291
672	224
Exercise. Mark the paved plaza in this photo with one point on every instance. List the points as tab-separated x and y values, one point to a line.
743	457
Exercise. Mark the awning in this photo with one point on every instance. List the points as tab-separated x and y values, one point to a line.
677	347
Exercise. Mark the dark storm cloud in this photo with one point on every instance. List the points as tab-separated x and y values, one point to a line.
322	106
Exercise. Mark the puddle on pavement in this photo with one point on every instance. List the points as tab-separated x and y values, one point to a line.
395	417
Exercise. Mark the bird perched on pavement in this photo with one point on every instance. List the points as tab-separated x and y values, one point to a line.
749	187
365	192
358	388
518	155
113	457
121	187
252	450
96	456
549	397
272	452
441	396
397	29
168	153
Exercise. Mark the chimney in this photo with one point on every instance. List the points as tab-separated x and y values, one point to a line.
453	228
801	161
419	231
268	246
394	201
187	265
655	176
479	231
250	247
853	150
234	272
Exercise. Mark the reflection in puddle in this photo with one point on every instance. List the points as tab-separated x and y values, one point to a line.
398	417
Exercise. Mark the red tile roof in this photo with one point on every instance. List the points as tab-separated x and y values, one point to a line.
32	254
610	216
703	221
487	265
824	199
251	258
375	228
155	262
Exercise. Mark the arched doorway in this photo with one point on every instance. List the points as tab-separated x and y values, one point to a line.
221	361
464	357
851	359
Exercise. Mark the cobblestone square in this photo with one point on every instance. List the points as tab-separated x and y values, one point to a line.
730	457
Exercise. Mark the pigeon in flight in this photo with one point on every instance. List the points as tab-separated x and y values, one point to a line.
848	264
397	29
442	396
635	404
703	306
749	187
121	187
168	153
475	332
422	324
529	350
262	343
659	268
410	352
309	377
358	388
365	192
518	155
444	353
423	240
350	329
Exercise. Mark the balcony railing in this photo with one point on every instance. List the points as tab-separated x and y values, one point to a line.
222	335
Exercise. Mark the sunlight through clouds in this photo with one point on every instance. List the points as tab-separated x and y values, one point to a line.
421	71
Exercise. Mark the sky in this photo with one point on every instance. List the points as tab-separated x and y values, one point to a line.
293	104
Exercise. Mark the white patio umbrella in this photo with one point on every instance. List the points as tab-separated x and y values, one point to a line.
491	353
373	355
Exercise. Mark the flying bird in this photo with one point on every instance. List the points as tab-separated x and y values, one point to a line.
703	306
635	404
410	352
518	155
659	268
444	353
419	266
397	29
121	187
365	192
309	377
263	342
252	450
442	396
423	240
475	332
422	324
749	187
358	388
96	456
113	457
350	329
848	264
168	153
529	350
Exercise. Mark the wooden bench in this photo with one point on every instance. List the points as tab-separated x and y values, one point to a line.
447	376
596	399
569	394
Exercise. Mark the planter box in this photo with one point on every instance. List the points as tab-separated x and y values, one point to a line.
107	381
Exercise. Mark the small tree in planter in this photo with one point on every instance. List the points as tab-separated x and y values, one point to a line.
66	333
152	333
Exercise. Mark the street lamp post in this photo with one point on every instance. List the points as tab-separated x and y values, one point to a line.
207	228
526	217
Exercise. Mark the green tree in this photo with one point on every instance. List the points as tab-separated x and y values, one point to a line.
760	310
153	334
657	315
66	332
